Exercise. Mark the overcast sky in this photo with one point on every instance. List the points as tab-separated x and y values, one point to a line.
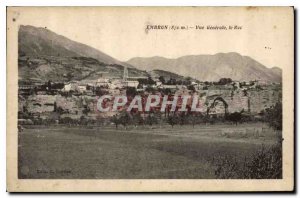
266	34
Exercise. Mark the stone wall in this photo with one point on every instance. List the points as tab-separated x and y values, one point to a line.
251	100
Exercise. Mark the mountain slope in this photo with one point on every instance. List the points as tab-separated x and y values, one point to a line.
44	55
37	41
167	75
211	67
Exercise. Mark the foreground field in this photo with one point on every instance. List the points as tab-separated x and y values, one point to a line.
142	152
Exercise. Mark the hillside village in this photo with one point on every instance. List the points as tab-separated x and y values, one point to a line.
59	84
77	100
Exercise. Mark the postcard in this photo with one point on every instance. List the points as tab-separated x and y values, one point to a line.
150	99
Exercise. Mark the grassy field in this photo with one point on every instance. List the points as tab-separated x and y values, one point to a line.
182	152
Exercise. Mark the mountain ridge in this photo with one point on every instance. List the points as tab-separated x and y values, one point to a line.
42	41
220	65
45	54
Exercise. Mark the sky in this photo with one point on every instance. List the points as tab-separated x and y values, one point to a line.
266	34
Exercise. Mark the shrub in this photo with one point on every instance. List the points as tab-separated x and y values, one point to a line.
172	120
66	120
234	117
266	163
273	116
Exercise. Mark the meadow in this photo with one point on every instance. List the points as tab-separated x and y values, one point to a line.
152	152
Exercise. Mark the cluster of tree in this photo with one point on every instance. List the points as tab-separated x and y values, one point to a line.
147	81
162	79
66	120
192	88
273	116
153	118
174	118
121	120
51	85
100	91
235	117
173	81
165	91
82	121
222	81
24	114
199	118
150	89
135	119
131	91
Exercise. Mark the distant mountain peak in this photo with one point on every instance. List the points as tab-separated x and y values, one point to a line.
211	67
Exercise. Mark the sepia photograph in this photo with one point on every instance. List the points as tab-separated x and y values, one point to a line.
159	97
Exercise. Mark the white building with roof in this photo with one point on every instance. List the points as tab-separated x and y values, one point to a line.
102	82
131	83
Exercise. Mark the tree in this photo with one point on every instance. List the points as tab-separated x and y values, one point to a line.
124	119
224	81
171	81
273	116
235	117
55	107
49	85
192	88
149	89
183	118
187	80
100	92
151	119
115	120
137	119
151	81
195	118
83	120
162	79
86	110
69	76
172	120
66	120
131	91
166	91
